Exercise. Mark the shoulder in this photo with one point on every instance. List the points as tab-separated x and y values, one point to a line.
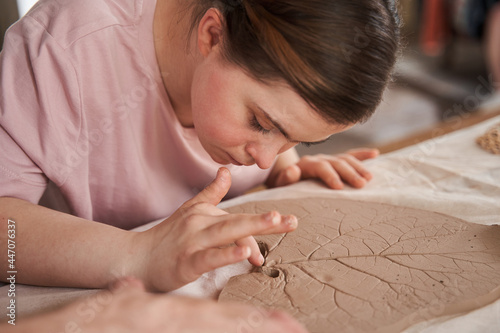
67	21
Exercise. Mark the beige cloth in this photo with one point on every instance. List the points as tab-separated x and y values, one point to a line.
451	175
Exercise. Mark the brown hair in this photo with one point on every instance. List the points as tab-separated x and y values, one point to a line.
337	54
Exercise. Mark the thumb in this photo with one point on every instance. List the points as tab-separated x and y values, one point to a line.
216	190
288	175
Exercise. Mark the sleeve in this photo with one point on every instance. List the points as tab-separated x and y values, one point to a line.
40	116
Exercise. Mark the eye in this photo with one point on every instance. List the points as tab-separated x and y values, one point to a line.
254	123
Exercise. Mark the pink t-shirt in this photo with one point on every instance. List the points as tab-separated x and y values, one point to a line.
83	112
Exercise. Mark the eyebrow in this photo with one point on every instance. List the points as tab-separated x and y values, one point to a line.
282	130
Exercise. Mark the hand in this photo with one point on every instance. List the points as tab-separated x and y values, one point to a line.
134	310
128	308
198	238
333	170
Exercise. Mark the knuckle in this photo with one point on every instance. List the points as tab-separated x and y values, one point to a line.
224	227
325	165
187	204
351	159
206	257
345	156
197	208
188	252
201	206
184	259
308	159
340	162
191	221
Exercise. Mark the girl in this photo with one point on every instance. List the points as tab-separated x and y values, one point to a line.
115	112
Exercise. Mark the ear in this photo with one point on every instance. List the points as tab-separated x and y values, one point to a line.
210	31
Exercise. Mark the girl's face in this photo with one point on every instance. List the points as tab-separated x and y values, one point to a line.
242	121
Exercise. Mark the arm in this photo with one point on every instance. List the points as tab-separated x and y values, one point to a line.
333	170
128	308
56	249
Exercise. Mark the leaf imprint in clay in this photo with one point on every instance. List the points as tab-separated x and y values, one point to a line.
364	267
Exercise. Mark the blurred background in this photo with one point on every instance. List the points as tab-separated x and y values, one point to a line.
446	69
443	79
11	11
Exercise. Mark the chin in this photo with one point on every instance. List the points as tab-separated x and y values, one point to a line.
219	160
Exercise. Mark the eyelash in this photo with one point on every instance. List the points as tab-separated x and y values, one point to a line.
257	126
254	123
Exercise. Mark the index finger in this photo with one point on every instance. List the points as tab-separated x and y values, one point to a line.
235	227
211	256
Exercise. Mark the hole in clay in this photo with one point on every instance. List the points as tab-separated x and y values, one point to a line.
271	272
264	249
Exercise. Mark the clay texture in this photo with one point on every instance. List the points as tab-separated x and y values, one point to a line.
490	141
364	267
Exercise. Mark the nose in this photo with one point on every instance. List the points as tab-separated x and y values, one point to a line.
264	153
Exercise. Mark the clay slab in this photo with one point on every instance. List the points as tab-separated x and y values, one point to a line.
366	267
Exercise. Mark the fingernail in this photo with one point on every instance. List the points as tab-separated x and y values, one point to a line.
291	221
361	181
223	174
261	259
273	217
337	184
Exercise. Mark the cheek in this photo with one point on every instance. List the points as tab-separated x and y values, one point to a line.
218	122
205	111
218	116
215	122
